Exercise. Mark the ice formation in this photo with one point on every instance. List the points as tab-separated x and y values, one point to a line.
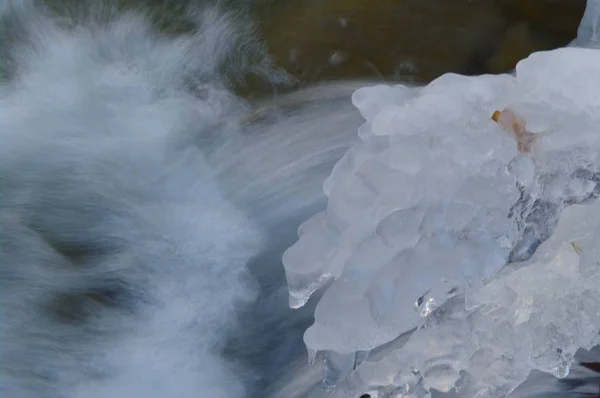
533	315
432	221
587	34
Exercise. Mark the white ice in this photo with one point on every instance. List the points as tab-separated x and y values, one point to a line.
434	202
588	34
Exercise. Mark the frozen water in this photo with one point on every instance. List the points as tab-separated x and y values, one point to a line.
429	219
434	202
534	315
425	188
588	34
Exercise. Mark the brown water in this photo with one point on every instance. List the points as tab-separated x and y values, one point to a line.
415	40
403	40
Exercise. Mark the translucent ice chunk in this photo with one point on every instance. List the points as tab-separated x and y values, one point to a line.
532	316
438	201
337	367
588	34
371	105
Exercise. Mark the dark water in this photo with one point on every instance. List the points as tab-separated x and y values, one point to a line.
411	39
403	40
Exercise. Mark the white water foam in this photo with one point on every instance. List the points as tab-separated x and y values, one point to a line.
122	264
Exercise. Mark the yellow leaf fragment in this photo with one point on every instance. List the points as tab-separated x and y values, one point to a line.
576	248
516	127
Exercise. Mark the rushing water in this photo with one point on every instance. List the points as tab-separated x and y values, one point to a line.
135	190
